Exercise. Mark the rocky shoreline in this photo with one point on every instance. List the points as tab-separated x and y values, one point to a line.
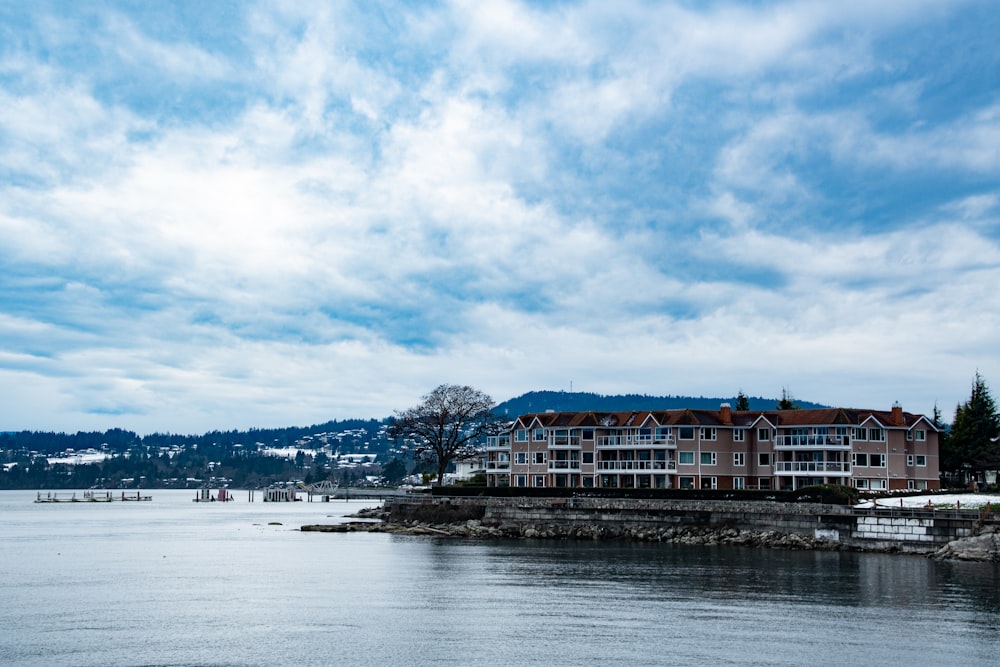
984	547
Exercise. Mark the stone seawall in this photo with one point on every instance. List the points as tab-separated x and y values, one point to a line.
800	525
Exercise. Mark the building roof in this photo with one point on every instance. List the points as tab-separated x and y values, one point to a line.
894	418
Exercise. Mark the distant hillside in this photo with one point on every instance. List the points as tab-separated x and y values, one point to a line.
564	401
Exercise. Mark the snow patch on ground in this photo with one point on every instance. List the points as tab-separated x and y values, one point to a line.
942	501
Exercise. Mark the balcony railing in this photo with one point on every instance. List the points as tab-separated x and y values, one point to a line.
618	466
564	442
498	465
825	467
635	441
498	443
563	466
812	441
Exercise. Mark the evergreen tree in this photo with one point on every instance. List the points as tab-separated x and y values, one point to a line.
742	401
973	443
787	401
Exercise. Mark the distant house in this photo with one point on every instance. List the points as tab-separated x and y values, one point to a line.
466	469
717	449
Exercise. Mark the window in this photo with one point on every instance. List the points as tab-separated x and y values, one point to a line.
663	434
921	460
876	460
539	458
739	483
909	435
860	434
588	434
910	484
707	433
909	459
588	457
764	458
539	480
539	434
921	434
521	435
708	459
685	458
686	482
763	434
861	483
686	433
739	434
739	459
878	485
521	458
860	460
588	482
520	480
876	435
709	482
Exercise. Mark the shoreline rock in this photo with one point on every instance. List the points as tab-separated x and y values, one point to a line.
984	548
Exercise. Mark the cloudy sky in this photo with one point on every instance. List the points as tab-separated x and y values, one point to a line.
237	214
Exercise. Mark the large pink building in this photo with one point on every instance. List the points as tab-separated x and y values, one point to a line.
717	449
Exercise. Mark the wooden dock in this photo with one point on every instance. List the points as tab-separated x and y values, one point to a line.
92	497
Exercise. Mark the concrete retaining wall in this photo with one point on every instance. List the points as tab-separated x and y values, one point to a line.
900	530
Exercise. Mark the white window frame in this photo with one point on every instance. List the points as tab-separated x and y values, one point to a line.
539	481
921	435
739	459
708	433
539	458
521	458
739	483
739	435
521	435
921	460
872	458
763	434
764	459
713	459
680	458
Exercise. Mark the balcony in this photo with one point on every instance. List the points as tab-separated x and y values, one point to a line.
564	466
822	467
835	442
564	442
636	441
632	466
497	465
497	443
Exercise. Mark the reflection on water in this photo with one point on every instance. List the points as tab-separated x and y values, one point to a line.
179	583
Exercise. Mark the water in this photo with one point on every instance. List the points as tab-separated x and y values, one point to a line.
172	582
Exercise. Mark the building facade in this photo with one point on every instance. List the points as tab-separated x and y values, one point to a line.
717	449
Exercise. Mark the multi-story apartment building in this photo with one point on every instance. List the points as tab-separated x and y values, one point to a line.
717	449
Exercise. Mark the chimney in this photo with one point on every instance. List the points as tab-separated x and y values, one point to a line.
897	414
726	413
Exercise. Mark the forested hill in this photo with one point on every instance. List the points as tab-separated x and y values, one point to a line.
563	401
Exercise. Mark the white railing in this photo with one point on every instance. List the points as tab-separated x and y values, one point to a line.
636	465
560	466
634	441
498	465
829	467
814	441
562	441
497	443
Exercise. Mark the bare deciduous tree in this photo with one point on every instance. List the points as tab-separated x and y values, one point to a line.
447	425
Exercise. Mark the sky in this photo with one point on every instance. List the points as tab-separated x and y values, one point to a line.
219	215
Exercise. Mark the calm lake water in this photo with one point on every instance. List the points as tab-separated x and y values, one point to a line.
173	582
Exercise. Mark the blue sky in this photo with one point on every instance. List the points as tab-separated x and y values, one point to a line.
227	215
